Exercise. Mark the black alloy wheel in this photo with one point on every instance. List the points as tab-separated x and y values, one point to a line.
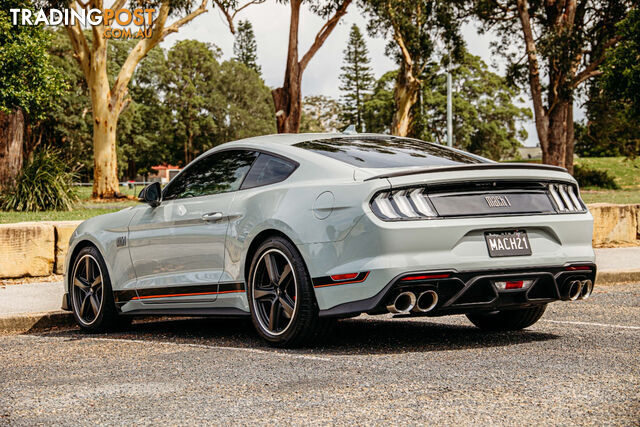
281	298
88	289
90	292
274	292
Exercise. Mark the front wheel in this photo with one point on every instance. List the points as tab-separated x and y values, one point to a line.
90	292
508	320
281	298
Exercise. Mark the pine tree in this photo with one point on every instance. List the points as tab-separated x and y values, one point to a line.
356	78
245	46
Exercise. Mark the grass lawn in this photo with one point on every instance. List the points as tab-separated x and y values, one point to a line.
626	173
611	196
85	208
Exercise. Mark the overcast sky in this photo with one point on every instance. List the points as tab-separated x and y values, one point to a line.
271	25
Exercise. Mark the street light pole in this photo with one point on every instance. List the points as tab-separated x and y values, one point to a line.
449	108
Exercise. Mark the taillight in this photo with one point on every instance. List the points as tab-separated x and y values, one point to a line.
402	204
565	198
341	277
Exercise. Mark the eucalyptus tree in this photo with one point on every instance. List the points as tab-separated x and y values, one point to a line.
418	31
108	100
487	120
553	47
287	99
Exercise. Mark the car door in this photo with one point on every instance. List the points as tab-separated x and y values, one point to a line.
177	247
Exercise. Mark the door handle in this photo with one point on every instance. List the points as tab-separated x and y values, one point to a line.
212	216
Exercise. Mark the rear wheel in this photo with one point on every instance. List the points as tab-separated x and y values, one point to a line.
508	320
90	292
281	298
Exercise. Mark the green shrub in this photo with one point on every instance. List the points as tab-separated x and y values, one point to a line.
588	177
43	184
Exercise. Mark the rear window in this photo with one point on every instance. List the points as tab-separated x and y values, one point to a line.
267	170
388	152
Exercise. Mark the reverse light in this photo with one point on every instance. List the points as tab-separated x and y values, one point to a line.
513	284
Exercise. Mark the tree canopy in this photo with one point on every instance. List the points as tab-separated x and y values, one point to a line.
166	91
486	121
415	29
553	47
28	79
622	67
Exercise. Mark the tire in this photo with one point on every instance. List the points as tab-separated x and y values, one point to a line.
281	299
508	320
100	315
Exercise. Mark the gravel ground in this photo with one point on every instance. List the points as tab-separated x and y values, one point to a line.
578	365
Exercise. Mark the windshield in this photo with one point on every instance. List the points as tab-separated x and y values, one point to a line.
388	152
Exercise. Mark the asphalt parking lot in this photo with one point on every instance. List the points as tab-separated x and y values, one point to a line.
579	365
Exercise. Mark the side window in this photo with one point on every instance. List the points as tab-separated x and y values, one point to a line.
267	170
217	173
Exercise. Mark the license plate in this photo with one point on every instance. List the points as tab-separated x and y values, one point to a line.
508	243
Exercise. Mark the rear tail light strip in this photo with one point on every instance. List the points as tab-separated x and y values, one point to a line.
414	203
565	198
400	204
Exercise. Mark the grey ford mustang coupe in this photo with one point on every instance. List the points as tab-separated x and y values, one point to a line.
297	230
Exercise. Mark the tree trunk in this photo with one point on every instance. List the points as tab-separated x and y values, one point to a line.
11	140
405	95
105	161
288	104
570	138
555	154
288	98
105	123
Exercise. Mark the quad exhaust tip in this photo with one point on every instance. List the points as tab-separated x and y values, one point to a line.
426	301
578	290
403	303
587	289
574	290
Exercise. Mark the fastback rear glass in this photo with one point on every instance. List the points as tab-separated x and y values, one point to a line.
388	152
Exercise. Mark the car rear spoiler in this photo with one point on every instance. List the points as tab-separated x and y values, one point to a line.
468	167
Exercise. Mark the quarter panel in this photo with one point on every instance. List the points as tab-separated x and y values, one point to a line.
292	210
103	231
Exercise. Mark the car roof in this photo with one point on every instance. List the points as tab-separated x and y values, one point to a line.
284	144
283	138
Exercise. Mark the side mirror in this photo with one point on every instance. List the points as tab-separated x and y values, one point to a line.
151	194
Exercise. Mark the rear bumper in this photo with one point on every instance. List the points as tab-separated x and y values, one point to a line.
387	250
474	291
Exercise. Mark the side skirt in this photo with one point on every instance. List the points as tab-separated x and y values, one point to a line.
226	312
